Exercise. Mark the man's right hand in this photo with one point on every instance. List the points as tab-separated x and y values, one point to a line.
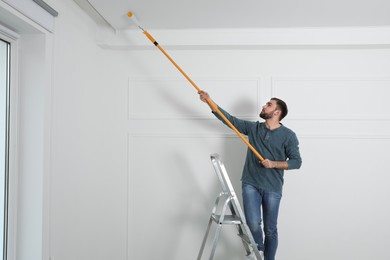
203	95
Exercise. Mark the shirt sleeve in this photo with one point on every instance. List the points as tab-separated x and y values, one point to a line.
292	151
243	126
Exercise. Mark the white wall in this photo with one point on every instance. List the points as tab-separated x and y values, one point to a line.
31	49
89	187
130	170
337	101
30	179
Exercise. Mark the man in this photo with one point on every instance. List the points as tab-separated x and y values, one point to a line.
262	181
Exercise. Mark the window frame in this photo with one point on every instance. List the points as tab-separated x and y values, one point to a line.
10	218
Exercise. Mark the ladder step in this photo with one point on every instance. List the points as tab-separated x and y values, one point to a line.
228	219
245	238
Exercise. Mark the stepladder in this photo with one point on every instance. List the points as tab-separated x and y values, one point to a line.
227	211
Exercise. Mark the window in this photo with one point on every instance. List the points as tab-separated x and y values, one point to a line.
4	143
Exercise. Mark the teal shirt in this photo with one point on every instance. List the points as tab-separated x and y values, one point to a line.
280	144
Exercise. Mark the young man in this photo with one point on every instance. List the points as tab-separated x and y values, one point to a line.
262	181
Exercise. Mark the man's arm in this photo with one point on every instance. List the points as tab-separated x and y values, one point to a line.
294	157
204	96
293	154
282	165
242	126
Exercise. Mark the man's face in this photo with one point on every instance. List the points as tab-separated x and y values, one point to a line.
268	110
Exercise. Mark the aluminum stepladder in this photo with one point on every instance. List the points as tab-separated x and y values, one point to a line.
223	217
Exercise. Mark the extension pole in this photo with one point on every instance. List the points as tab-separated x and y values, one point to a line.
213	106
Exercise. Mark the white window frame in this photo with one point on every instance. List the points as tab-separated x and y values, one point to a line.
12	38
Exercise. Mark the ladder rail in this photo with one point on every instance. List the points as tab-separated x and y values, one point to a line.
237	216
227	186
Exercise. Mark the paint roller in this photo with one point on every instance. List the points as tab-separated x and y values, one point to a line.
213	106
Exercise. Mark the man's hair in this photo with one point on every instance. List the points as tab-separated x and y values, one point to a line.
281	105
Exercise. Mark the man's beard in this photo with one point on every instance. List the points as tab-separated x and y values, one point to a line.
266	116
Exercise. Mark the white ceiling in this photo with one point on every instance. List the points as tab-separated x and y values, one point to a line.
220	14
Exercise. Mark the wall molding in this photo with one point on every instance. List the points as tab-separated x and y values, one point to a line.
187	98
260	38
339	87
234	136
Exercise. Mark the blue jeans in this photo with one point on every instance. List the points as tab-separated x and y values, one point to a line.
255	201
